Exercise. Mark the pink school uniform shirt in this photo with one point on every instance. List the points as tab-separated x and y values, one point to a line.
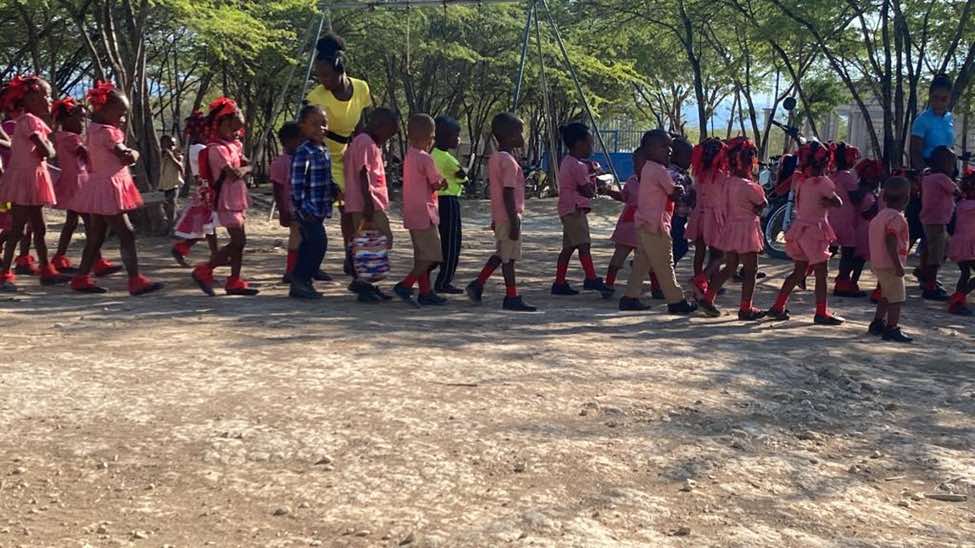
281	173
845	218
655	208
573	176
363	152
888	221
810	194
9	126
631	199
420	181
937	199
233	193
504	172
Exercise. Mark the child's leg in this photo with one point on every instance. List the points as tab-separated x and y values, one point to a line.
700	253
750	271
822	273
489	267
212	244
510	283
562	264
893	315
585	258
294	242
858	264
790	283
119	224
719	278
616	263
95	230
348	232
25	241
312	247
638	273
39	228
847	256
660	252
715	257
238	240
957	303
881	314
18	222
70	225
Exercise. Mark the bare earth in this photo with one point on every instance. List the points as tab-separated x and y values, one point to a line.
181	420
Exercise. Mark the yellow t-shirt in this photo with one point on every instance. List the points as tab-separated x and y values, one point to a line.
343	117
448	166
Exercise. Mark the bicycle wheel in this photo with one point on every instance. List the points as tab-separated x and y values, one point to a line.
775	234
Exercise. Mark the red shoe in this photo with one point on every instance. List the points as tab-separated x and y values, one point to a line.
7	280
63	264
84	283
26	265
140	285
51	276
238	286
179	251
700	283
203	276
103	267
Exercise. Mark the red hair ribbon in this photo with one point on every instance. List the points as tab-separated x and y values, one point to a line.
871	170
741	156
64	107
851	154
815	155
222	106
708	156
98	95
16	89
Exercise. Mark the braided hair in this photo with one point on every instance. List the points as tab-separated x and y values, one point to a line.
331	51
815	156
708	159
741	156
64	108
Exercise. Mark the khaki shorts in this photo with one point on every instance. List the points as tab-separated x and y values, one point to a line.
575	230
426	245
892	286
937	242
379	221
508	249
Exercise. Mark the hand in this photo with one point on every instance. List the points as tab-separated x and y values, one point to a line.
130	158
515	232
461	174
442	185
678	192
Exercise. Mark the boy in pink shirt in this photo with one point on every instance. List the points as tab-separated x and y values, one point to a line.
507	185
576	190
889	241
421	181
655	209
938	193
365	176
280	172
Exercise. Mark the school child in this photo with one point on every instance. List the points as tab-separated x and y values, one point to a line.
846	219
312	194
227	166
366	192
889	241
625	236
680	163
961	250
871	174
170	176
198	220
707	217
280	173
72	158
26	182
741	235
938	192
110	191
421	181
451	233
24	262
576	189
655	208
808	239
507	186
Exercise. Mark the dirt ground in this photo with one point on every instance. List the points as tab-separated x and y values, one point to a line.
180	420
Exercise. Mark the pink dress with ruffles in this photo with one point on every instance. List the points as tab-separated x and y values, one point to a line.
26	180
707	217
742	230
110	189
846	218
809	237
961	248
74	172
625	233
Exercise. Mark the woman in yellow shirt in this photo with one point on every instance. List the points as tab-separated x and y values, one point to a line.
343	99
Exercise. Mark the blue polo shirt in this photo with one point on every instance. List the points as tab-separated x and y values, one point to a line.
935	130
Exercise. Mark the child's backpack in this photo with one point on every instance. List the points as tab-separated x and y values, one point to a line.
370	256
203	161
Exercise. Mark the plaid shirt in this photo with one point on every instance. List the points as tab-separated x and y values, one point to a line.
680	177
312	188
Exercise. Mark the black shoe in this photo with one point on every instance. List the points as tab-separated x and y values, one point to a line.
709	309
347	267
877	328
303	291
828	319
597	284
609	292
8	287
937	294
657	294
368	297
563	289
321	276
358	286
894	334
750	315
179	258
450	290
632	304
960	309
682	308
431	299
516	304
779	315
474	292
849	293
405	293
760	275
287	278
58	279
379	293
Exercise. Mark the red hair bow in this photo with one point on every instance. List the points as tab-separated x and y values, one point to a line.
708	156
871	170
741	155
98	95
16	89
222	106
814	154
851	154
64	107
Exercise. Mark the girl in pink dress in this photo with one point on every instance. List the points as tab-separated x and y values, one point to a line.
846	219
24	263
871	174
741	235
624	236
110	191
961	248
26	181
709	169
808	239
228	166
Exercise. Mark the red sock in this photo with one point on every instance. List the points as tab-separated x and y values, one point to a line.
611	276
408	281
424	283
511	291
654	283
746	304
485	273
821	309
560	270
781	301
710	295
182	247
957	298
587	266
291	261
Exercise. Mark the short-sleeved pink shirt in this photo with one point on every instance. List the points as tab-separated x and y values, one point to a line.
888	221
573	175
233	193
504	172
363	152
937	199
743	197
420	181
655	208
810	194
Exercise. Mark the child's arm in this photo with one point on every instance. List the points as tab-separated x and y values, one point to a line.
614	194
44	148
890	243
509	206
127	155
369	207
4	139
82	153
833	200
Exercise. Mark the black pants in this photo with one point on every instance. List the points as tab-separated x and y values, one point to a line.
314	242
450	238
